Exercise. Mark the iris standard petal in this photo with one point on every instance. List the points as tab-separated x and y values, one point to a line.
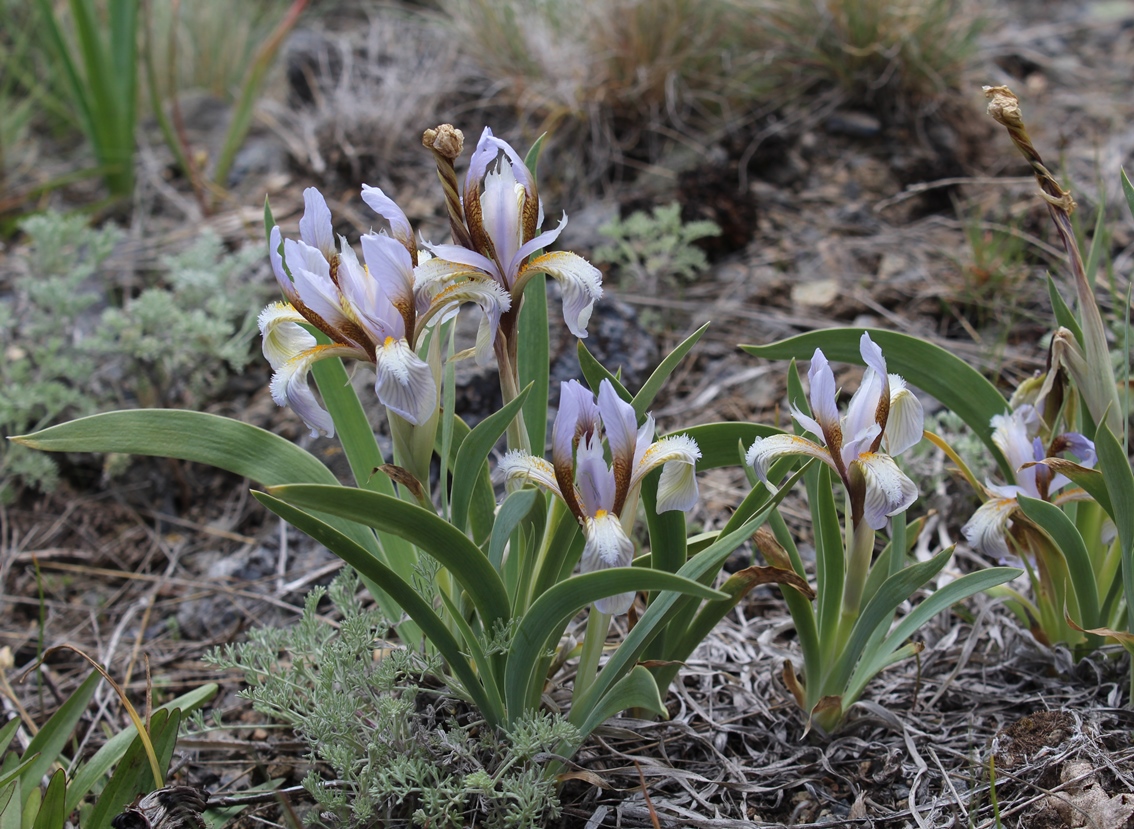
405	382
519	468
620	424
283	337
389	264
821	381
765	451
888	489
315	226
594	478
906	422
388	209
987	530
607	546
580	281
275	256
502	204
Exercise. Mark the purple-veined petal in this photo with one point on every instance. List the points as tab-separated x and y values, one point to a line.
906	422
378	318
492	300
765	451
594	478
1012	434
502	204
621	427
289	387
607	546
390	264
860	443
388	209
1081	447
469	258
573	400
485	153
888	490
987	530
519	468
581	283
405	382
433	276
315	226
809	423
862	411
821	382
283	337
542	240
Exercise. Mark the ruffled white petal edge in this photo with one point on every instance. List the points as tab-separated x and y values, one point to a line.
888	489
581	283
487	294
284	338
906	421
677	486
607	546
405	382
388	209
289	387
518	468
987	530
765	451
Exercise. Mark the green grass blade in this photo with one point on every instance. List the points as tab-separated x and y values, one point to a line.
1063	533
595	372
51	814
830	555
1128	190
6	735
534	361
645	396
133	774
934	370
351	425
419	610
420	527
57	732
551	612
514	510
100	765
637	689
718	441
942	599
474	452
1116	472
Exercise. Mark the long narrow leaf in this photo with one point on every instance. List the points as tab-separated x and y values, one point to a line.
419	526
637	689
645	396
718	441
410	601
51	814
551	612
595	372
474	452
100	765
1116	472
57	732
133	774
955	591
514	509
952	381
1062	531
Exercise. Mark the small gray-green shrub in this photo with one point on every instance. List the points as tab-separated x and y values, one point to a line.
71	346
652	249
396	743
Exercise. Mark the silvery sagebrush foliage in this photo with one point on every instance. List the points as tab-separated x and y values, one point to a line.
71	346
416	756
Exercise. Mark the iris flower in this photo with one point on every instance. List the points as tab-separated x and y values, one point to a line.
1016	435
603	497
503	214
883	414
368	312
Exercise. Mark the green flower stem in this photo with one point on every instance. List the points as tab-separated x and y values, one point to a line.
509	390
598	625
860	547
